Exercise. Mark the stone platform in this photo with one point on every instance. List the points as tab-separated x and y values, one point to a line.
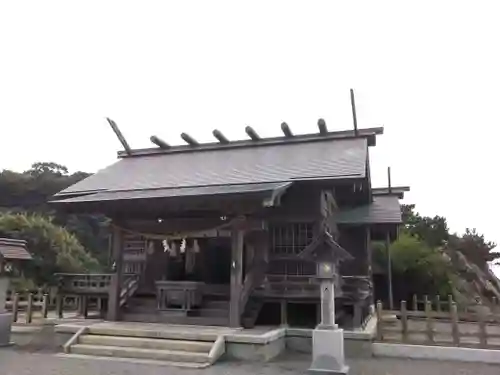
5	328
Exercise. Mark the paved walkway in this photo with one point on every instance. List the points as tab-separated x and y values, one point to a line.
15	362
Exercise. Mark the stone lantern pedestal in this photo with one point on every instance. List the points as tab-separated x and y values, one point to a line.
327	339
5	317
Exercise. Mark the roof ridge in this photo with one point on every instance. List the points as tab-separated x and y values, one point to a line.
367	133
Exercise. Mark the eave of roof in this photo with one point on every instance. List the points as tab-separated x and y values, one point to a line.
13	249
395	191
269	192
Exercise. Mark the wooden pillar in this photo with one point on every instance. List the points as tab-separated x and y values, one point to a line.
116	277
237	236
389	270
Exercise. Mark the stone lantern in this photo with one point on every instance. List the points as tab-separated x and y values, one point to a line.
10	251
328	339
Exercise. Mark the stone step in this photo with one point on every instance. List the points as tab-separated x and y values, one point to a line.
179	320
209	335
147	343
142	353
205	312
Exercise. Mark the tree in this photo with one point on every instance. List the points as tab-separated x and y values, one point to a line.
31	190
475	247
432	230
426	267
47	168
417	268
53	248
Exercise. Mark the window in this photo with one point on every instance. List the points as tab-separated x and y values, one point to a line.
290	238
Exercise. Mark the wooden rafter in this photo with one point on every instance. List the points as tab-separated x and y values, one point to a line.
189	140
252	133
322	127
220	137
159	142
286	130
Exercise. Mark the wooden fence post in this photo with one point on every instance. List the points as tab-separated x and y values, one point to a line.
59	306
45	305
483	342
454	324
494	301
426	299
29	308
450	302
380	335
15	307
415	303
404	321
438	303
429	322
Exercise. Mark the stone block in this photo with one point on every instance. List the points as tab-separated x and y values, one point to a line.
5	328
328	352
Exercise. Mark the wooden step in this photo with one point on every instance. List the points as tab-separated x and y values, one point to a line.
142	353
147	343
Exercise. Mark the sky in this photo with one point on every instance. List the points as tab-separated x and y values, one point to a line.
428	71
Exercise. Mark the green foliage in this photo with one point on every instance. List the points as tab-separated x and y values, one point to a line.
432	230
53	248
414	259
29	192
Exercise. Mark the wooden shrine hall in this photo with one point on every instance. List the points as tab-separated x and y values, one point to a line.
216	233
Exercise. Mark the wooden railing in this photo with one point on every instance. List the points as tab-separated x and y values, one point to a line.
303	286
72	283
28	302
480	329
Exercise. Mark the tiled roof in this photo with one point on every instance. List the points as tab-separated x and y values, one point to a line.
267	163
383	210
13	249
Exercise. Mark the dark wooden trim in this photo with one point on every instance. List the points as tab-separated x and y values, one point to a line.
116	278
236	277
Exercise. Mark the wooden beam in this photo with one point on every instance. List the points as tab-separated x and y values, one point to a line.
119	135
189	140
236	277
116	278
286	130
252	133
220	137
354	118
159	142
322	127
389	179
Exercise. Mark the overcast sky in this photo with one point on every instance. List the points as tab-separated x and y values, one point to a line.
428	73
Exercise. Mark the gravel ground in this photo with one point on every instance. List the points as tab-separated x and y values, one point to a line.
15	362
